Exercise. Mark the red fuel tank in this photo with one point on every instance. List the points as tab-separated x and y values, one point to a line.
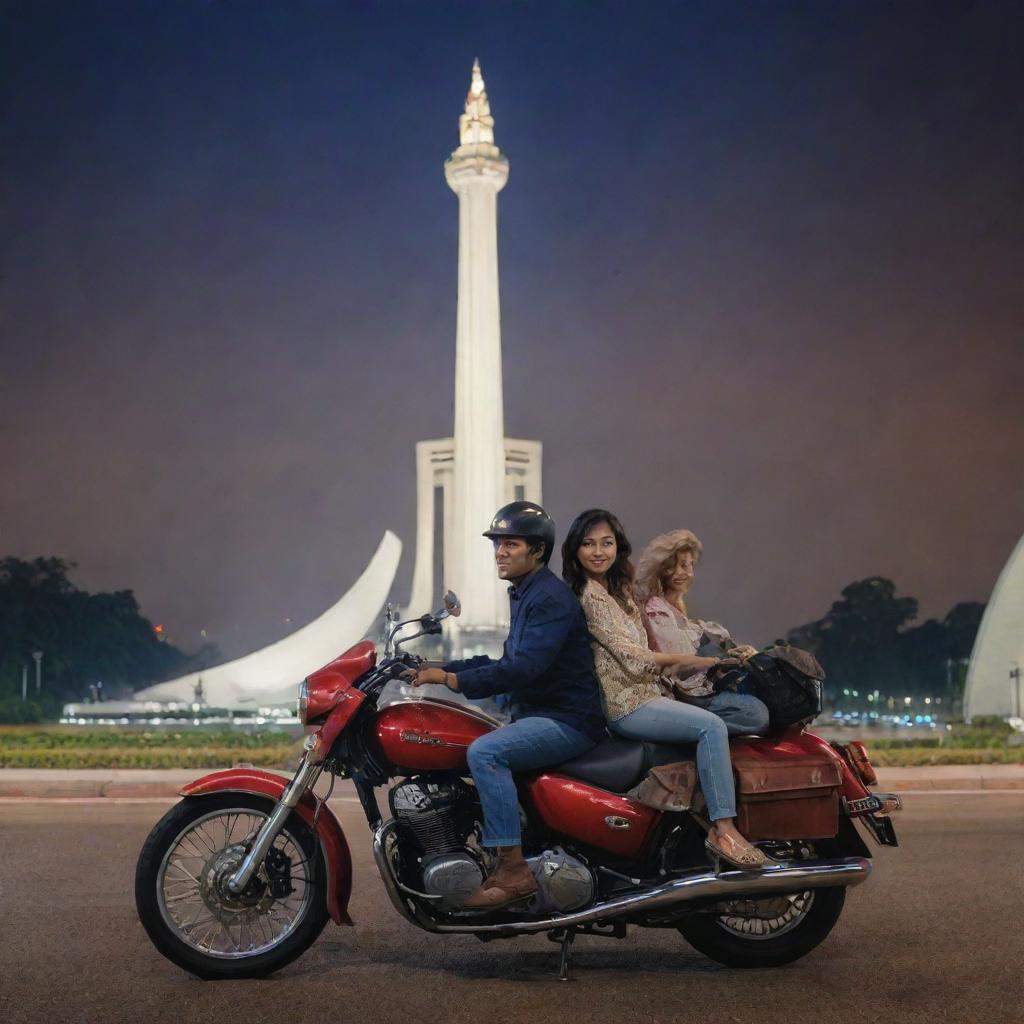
593	816
429	734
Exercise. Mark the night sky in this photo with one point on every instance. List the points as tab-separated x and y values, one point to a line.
761	272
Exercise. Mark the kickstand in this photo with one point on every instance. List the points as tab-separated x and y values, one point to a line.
563	966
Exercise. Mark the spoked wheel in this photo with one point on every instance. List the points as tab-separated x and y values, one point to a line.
769	931
194	919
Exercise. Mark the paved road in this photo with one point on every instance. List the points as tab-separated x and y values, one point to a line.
937	934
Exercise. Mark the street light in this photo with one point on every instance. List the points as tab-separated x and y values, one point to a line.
1015	683
38	658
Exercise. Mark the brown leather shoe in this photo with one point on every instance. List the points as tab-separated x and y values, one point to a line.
511	882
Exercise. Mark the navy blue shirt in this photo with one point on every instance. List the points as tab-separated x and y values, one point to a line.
547	667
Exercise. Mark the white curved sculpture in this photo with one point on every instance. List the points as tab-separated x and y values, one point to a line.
272	674
992	688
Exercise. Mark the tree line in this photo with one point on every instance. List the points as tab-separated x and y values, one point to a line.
84	638
866	642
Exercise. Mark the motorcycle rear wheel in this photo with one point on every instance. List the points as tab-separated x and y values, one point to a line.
736	939
194	923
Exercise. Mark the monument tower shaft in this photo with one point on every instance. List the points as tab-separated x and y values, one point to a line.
477	470
476	172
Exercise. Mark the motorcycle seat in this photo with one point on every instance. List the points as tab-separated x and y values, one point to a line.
618	765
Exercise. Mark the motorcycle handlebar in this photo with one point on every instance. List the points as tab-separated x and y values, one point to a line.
390	668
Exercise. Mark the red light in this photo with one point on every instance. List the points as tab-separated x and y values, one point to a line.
859	754
158	629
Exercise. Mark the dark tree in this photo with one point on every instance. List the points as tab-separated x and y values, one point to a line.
866	642
924	659
856	642
85	637
962	624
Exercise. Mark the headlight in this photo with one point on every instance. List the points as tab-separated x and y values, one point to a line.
303	700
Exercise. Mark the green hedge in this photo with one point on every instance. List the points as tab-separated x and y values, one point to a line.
84	747
908	757
15	711
157	757
86	738
960	737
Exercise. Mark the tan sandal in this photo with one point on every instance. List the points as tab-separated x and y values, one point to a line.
747	858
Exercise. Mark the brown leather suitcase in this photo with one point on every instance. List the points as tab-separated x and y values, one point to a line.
795	798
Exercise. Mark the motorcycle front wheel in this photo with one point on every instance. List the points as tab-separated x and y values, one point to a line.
767	932
196	922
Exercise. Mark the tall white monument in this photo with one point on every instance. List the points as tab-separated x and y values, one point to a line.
469	476
479	469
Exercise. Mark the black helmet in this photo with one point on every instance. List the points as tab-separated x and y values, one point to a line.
524	519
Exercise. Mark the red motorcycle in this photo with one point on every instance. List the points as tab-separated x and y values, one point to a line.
240	877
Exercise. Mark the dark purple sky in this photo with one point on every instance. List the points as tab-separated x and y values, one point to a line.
761	270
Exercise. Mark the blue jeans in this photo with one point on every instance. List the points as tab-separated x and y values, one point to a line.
743	713
671	721
520	747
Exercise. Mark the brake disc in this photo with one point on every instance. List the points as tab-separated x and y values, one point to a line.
213	883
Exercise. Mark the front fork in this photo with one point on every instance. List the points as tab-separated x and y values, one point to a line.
305	778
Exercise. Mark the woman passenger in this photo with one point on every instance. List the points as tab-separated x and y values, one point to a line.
664	576
595	563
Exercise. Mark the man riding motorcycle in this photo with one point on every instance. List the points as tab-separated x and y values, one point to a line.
241	875
547	671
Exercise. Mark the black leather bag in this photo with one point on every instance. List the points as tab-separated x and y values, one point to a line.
787	679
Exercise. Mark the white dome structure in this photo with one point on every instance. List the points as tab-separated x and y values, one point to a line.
994	683
272	675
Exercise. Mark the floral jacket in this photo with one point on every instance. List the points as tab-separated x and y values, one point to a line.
622	659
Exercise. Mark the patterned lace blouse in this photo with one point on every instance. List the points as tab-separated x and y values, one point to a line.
671	632
622	659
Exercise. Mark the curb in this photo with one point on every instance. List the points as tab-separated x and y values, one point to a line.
945	777
94	783
58	784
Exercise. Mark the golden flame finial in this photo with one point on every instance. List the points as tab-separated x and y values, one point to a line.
476	125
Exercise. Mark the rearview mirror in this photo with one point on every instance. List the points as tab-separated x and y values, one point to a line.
451	607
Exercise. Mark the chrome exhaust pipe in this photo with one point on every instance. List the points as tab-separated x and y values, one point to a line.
705	887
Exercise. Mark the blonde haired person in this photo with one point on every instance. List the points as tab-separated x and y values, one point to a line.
664	575
595	563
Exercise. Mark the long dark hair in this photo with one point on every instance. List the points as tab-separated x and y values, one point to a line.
620	575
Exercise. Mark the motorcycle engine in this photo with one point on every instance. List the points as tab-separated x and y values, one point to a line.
565	883
452	876
436	818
